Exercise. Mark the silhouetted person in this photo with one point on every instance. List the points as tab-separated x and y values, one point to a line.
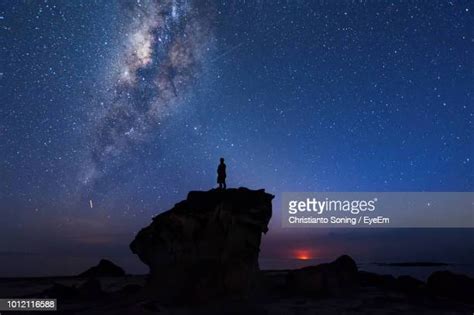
221	175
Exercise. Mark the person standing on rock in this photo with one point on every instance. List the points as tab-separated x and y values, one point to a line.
221	175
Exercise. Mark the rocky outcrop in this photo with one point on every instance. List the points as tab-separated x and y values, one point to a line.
207	245
452	285
105	268
336	278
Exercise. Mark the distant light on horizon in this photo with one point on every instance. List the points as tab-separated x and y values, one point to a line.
303	254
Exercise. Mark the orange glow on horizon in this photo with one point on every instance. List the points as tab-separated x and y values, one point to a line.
303	254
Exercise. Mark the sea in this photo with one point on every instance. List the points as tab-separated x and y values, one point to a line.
421	273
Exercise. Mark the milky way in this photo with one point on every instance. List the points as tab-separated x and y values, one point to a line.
164	48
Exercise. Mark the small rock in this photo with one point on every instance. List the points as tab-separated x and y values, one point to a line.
60	291
370	279
105	268
410	285
337	278
452	285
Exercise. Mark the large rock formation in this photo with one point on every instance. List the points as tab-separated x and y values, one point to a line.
207	245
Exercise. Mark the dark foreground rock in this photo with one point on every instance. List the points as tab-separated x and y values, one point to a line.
370	279
105	268
206	246
91	288
60	291
127	295
337	278
452	285
410	285
87	290
404	283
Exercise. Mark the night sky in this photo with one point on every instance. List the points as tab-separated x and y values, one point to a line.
111	111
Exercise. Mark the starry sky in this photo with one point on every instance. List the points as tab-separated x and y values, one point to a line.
111	111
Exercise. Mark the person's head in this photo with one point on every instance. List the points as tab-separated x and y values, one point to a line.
222	160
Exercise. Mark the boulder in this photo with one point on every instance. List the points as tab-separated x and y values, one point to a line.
410	285
451	285
370	279
105	268
337	278
206	246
